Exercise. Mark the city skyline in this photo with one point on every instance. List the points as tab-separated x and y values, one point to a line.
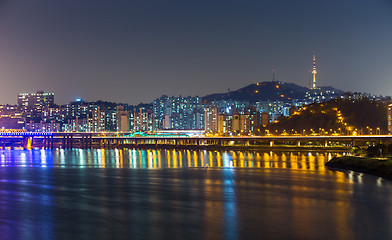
134	52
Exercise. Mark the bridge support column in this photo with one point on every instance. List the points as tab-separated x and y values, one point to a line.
67	142
298	143
271	143
325	143
27	142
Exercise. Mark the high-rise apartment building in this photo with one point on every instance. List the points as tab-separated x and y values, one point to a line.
142	120
32	104
122	120
178	113
11	117
211	114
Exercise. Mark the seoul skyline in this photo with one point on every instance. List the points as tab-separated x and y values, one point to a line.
134	52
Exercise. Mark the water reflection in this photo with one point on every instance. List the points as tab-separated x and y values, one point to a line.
172	194
136	158
158	159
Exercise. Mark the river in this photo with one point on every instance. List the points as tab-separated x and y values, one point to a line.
182	194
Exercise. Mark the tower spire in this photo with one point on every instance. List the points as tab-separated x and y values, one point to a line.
273	75
314	71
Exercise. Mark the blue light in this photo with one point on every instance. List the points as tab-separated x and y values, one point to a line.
26	134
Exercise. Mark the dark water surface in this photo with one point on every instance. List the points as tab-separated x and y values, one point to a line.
152	194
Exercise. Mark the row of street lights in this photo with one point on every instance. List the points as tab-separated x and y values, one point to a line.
322	131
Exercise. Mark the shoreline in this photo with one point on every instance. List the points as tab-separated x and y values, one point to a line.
371	166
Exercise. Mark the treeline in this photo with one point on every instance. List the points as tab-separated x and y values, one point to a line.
343	116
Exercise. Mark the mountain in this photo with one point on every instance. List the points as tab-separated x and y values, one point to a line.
264	91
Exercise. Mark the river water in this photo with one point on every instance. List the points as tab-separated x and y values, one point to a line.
181	194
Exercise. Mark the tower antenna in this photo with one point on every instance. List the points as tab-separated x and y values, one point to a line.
273	75
314	71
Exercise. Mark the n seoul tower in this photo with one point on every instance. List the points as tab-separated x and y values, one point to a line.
314	71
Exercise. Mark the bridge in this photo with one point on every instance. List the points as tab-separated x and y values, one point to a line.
69	140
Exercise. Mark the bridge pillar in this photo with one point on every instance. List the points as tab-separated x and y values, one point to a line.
27	142
271	143
325	143
71	140
298	143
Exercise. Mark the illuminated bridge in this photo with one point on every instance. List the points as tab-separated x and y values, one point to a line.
127	140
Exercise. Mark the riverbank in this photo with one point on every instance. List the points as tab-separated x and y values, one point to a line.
373	166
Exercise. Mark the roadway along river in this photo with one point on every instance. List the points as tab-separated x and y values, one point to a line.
161	194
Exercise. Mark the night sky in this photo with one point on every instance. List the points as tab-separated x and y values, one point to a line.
135	51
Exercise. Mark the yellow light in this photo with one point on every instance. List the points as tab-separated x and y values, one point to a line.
256	91
277	86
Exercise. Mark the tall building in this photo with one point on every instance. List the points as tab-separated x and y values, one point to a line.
225	123
142	120
247	123
178	113
32	104
390	119
314	71
264	119
122	120
82	116
11	117
211	114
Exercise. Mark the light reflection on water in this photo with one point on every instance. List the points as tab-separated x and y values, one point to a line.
185	194
157	159
136	158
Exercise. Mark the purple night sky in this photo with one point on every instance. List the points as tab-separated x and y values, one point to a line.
135	51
